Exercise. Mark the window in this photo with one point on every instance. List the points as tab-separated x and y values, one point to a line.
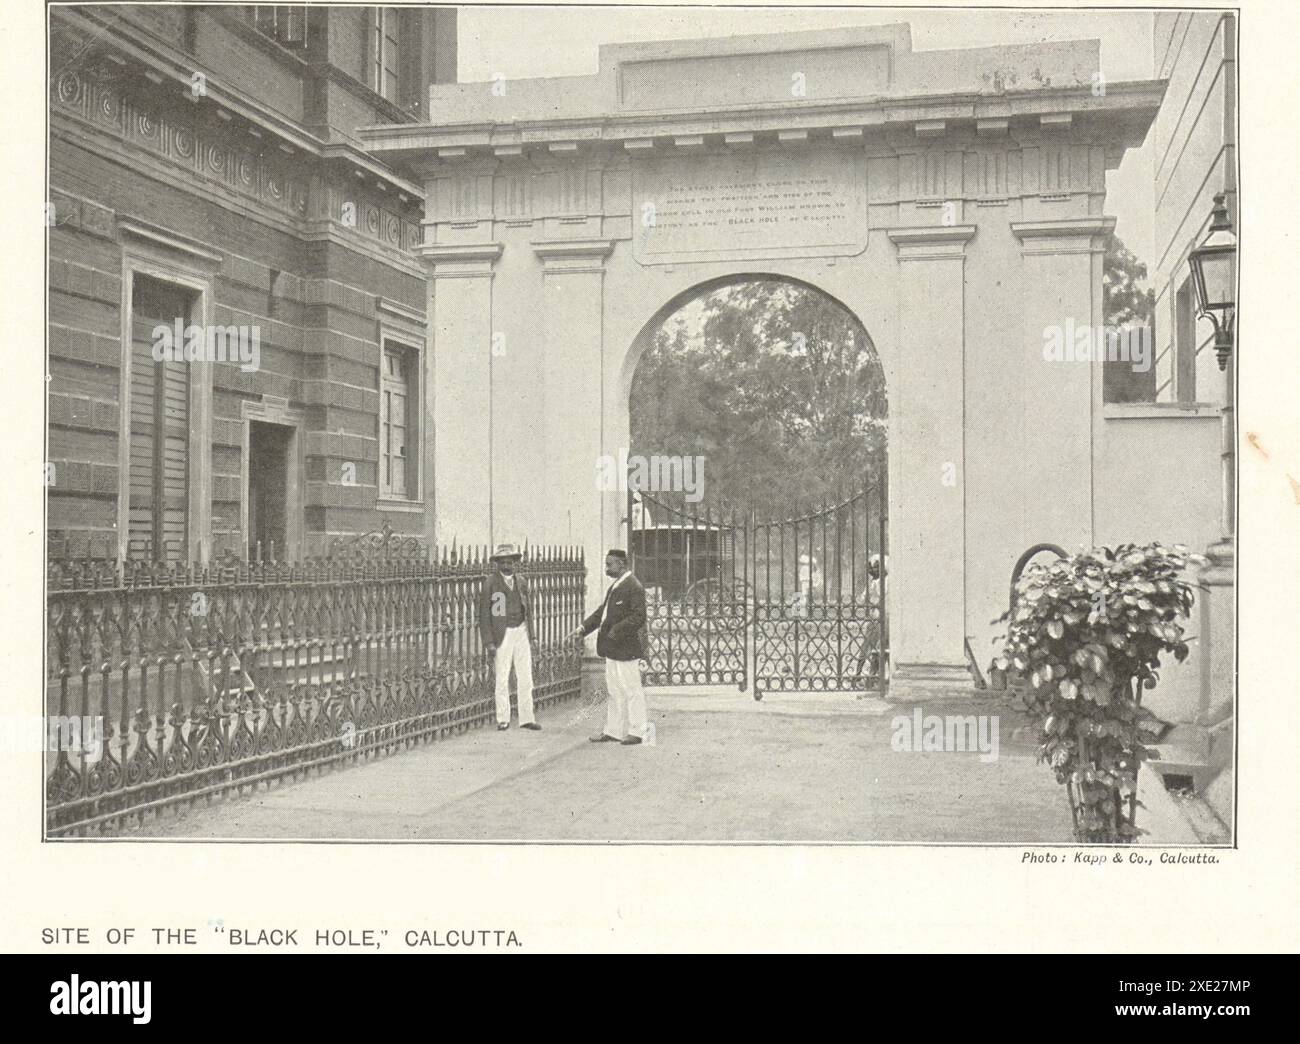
397	423
284	23
383	52
158	504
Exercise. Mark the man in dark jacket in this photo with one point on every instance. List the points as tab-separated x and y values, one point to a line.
505	621
620	619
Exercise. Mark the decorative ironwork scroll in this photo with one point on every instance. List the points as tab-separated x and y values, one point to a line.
789	605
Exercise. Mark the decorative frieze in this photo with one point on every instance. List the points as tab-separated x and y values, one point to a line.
267	176
175	136
980	172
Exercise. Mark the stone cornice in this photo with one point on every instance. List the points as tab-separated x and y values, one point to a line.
1080	235
1123	104
931	242
573	255
1077	226
450	260
462	251
571	249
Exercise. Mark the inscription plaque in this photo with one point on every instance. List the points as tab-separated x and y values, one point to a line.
748	205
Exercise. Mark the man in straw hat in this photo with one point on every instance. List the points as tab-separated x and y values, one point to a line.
621	620
505	620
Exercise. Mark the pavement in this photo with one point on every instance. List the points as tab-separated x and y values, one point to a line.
721	767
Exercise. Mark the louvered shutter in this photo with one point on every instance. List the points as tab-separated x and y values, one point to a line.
159	446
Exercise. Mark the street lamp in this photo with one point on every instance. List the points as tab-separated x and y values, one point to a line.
1212	266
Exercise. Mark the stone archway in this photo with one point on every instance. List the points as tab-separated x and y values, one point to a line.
698	290
953	197
757	519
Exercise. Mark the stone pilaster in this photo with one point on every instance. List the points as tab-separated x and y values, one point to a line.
573	508
1061	281
458	456
926	456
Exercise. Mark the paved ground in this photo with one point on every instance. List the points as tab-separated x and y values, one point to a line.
722	768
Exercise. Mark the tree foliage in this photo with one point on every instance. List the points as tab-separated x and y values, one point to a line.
1126	301
776	385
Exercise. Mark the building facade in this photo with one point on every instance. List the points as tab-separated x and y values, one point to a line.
237	333
304	283
1195	140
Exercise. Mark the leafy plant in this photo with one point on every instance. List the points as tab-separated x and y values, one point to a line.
1086	634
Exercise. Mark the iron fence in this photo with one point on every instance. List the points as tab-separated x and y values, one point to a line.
214	679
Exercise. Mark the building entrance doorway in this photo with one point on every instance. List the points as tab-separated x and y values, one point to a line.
269	450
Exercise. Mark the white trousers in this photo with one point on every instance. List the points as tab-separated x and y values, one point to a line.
625	706
514	651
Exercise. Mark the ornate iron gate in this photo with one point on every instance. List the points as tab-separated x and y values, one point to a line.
695	569
819	606
781	605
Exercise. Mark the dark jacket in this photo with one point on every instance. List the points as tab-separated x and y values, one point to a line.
621	635
493	626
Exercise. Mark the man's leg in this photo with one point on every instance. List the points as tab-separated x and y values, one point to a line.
524	675
630	670
615	702
502	671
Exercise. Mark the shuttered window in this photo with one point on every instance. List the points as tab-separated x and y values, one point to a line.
159	430
397	423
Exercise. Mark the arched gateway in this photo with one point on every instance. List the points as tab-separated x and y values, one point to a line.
952	200
763	559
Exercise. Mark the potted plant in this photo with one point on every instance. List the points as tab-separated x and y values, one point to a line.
1085	635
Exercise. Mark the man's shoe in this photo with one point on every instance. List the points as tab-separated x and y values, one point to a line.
603	737
502	726
631	741
532	726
